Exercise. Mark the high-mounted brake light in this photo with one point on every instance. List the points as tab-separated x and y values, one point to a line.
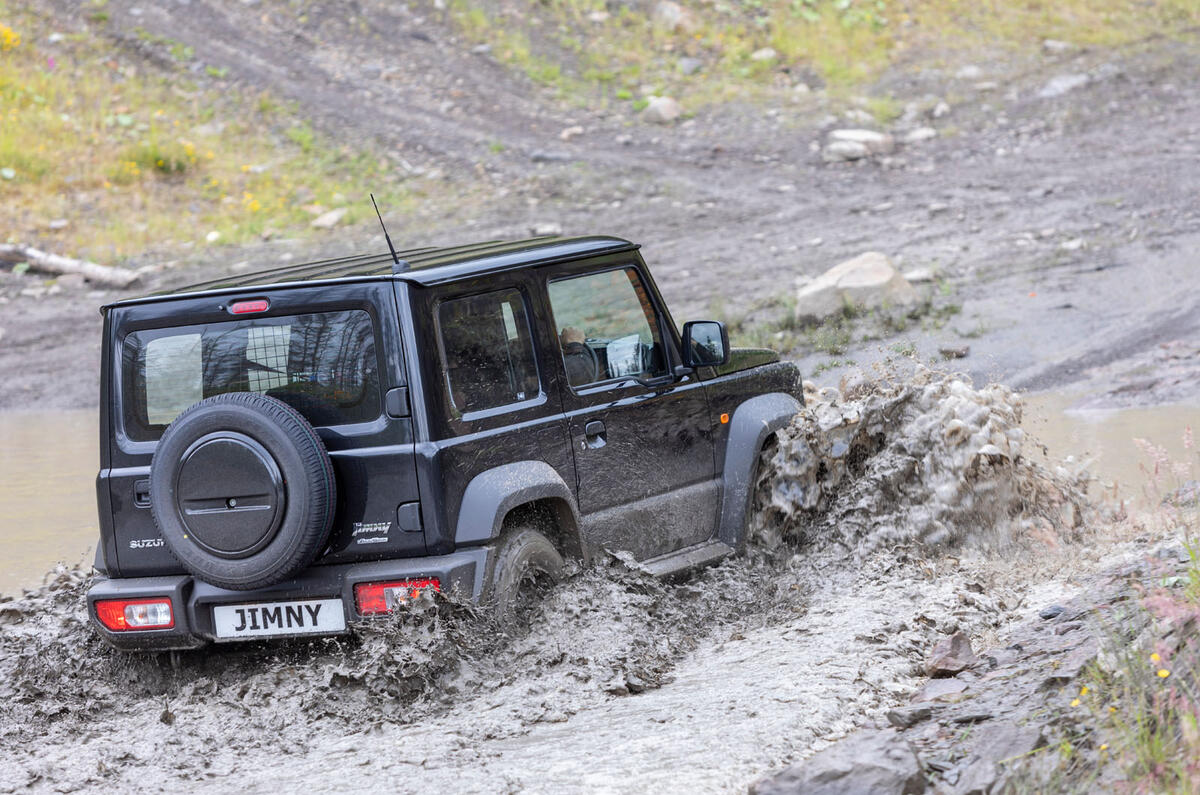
249	307
123	615
373	598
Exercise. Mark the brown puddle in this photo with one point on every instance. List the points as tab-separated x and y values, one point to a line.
49	462
48	465
1103	440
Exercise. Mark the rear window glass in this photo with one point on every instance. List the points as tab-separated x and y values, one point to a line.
487	351
324	365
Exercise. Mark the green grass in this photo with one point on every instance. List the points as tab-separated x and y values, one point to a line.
588	55
136	158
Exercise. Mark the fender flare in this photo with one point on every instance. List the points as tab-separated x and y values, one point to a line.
752	423
492	493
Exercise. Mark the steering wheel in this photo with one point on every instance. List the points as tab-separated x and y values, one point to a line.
589	362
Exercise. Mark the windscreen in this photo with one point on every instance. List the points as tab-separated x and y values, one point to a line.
323	365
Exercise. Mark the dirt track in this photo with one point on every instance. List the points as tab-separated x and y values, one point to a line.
1066	227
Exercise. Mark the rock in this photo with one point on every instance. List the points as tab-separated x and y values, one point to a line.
943	691
1053	611
841	151
1062	84
330	219
939	110
858	116
969	72
869	762
868	280
919	275
546	228
950	656
960	352
662	110
920	134
673	17
907	717
570	132
481	49
689	66
764	54
212	237
57	224
877	143
1072	245
1057	47
598	16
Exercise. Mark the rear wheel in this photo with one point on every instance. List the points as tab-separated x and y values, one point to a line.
525	565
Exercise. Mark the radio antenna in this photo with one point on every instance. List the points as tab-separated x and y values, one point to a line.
397	263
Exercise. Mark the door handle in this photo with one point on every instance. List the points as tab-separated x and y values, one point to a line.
593	434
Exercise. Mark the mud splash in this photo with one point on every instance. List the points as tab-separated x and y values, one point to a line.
929	460
763	655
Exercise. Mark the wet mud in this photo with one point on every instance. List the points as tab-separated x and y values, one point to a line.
881	513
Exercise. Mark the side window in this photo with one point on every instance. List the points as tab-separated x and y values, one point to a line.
607	327
487	351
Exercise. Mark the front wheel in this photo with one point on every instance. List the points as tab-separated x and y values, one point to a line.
525	562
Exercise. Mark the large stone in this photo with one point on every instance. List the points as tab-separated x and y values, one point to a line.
662	110
880	762
1062	84
840	151
673	17
877	143
868	281
330	219
950	656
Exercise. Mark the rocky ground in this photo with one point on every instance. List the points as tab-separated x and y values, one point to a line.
1002	720
1055	205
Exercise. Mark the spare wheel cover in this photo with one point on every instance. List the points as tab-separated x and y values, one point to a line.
242	490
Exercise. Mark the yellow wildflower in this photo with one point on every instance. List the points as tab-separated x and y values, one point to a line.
1154	657
1083	691
1075	702
1104	747
1163	673
9	39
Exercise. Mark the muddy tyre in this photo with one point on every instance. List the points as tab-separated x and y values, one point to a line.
242	490
524	560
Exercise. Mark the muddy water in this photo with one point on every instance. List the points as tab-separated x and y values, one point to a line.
1106	443
48	464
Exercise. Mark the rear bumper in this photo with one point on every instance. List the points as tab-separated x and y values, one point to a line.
192	600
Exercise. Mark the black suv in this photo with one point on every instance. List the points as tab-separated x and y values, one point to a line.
289	451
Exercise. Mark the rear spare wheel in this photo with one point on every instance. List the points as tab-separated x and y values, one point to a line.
242	490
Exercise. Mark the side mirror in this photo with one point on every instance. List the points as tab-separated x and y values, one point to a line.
705	344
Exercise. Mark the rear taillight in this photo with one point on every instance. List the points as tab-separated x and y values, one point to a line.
123	615
373	598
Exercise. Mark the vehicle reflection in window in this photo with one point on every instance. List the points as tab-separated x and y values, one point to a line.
607	327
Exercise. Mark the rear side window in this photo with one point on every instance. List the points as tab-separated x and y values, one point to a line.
323	365
487	351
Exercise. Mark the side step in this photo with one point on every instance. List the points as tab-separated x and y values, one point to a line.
688	558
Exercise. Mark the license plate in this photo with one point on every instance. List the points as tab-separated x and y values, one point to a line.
264	619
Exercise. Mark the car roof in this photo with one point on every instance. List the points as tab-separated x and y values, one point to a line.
423	266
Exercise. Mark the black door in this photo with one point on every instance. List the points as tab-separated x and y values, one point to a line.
641	437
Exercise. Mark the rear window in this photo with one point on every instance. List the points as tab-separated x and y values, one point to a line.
324	365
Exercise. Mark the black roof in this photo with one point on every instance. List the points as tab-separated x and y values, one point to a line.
424	266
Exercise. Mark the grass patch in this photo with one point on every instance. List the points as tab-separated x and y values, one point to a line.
841	43
135	158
